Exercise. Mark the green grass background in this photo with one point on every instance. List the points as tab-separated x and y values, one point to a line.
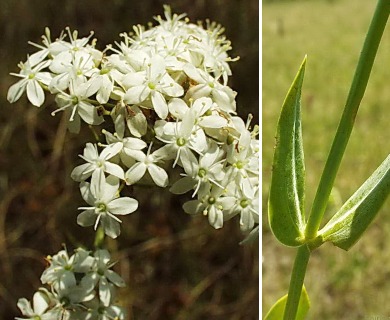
176	266
342	285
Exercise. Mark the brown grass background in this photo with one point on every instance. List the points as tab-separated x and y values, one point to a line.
176	267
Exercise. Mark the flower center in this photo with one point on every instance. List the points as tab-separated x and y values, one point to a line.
181	141
151	85
202	172
244	203
100	272
211	200
239	164
31	76
100	164
102	207
68	267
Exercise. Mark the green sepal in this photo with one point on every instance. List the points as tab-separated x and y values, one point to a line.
348	224
277	310
286	197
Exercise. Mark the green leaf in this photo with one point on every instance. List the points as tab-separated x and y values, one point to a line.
286	198
277	310
348	224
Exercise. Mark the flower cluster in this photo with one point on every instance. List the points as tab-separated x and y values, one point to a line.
82	286
165	90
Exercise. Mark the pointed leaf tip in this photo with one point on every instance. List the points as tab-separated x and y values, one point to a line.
286	197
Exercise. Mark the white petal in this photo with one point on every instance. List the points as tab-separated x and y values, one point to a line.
246	221
227	202
136	94
104	292
111	150
86	218
123	206
157	68
177	107
158	174
134	143
115	278
90	152
105	90
115	170
199	91
193	73
111	187
59	83
171	87
159	104
16	90
86	193
135	173
183	185
25	307
137	123
89	113
187	124
193	207
111	227
135	154
82	172
201	105
215	217
35	93
40	302
213	121
134	79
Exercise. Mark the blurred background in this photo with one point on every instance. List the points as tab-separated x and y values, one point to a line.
176	267
341	285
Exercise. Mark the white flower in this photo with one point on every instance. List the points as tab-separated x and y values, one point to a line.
207	86
146	163
181	138
243	158
98	311
96	162
70	67
209	169
80	107
61	272
32	79
102	196
211	204
125	145
152	83
246	204
101	275
40	308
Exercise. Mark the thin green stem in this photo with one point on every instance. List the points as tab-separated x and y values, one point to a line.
99	238
344	129
296	282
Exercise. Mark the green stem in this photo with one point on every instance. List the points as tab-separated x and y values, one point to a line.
99	238
344	129
296	282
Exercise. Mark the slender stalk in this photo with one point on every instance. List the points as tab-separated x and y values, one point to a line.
344	129
99	238
296	282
